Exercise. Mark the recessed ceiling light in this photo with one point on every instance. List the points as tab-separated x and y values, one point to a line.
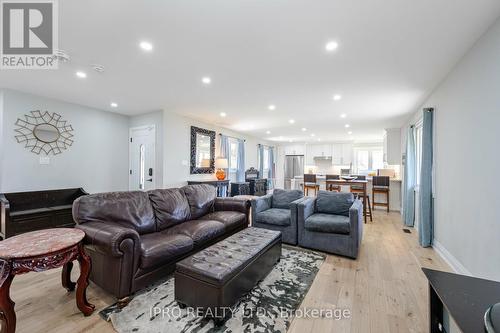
350	132
81	75
292	121
290	140
206	80
146	46
114	105
319	139
337	97
347	125
222	114
272	107
343	115
312	134
331	46
304	129
268	132
281	138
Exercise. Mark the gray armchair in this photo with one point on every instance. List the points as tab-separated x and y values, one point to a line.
278	211
332	222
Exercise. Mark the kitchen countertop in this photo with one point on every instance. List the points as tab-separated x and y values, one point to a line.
323	177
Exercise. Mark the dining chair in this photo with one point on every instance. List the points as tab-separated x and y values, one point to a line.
310	182
332	187
358	188
381	186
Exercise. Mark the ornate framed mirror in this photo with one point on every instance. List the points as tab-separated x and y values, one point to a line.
202	150
44	132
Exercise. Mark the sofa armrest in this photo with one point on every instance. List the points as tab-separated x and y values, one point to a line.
107	238
356	219
232	204
261	204
306	208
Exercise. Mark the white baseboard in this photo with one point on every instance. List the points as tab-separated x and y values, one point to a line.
450	259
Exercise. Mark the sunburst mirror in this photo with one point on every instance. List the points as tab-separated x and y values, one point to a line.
44	132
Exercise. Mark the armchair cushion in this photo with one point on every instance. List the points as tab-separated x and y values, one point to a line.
159	248
283	198
334	203
275	216
335	224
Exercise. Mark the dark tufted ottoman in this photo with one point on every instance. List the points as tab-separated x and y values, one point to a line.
213	279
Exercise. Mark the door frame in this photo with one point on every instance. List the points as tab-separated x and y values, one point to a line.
130	131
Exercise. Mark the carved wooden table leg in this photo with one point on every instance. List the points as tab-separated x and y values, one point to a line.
83	281
66	277
6	304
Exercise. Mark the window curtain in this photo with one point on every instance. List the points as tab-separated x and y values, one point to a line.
426	220
260	152
409	180
270	175
224	149
240	172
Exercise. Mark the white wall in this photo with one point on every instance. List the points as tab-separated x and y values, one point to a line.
176	148
153	118
97	161
467	116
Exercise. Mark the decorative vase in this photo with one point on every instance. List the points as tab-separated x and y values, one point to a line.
220	174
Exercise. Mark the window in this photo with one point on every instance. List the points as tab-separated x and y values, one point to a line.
418	151
368	159
233	159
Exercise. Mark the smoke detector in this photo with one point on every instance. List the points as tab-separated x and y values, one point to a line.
98	68
60	56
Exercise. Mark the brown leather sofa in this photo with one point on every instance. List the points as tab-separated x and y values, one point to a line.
135	238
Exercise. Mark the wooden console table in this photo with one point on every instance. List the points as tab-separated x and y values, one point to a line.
222	186
38	251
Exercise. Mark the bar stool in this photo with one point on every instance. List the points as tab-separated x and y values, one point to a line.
331	187
358	188
310	182
381	186
360	196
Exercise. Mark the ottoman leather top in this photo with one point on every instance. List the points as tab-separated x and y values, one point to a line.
218	263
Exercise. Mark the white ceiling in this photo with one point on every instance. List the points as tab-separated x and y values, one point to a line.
392	53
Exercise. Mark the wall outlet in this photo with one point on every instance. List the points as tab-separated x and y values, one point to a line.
44	160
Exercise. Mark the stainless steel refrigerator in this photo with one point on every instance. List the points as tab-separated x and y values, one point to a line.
294	166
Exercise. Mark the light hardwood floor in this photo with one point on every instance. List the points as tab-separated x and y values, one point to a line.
384	289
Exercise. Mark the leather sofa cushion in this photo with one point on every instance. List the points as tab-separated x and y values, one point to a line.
275	216
170	207
200	231
159	248
200	198
128	209
337	203
283	198
335	224
230	219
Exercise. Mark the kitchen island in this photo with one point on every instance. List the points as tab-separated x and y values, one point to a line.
394	187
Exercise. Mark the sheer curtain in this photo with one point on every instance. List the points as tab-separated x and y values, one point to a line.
240	172
426	214
409	179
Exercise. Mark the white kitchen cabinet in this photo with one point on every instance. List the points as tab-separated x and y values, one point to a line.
342	154
317	150
294	149
392	146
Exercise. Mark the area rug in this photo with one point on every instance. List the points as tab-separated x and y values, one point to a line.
268	307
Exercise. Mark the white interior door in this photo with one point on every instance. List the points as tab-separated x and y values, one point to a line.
142	158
